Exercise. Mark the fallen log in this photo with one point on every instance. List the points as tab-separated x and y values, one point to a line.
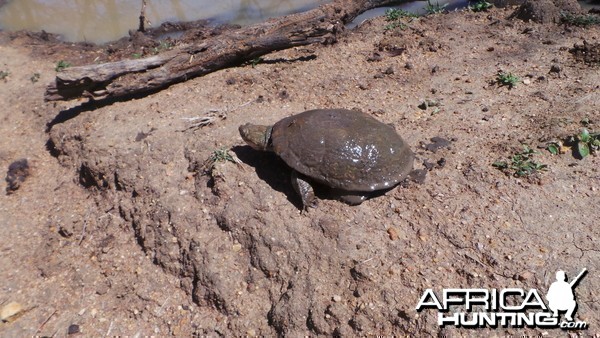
134	77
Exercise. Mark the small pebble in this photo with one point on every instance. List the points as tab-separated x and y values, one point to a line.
10	310
393	233
73	329
337	298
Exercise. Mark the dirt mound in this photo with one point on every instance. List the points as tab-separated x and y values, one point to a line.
546	11
587	53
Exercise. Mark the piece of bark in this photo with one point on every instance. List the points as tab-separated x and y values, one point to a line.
133	77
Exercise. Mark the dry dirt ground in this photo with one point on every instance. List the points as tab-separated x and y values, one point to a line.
119	229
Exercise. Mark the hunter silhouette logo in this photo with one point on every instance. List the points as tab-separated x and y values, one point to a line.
509	307
560	295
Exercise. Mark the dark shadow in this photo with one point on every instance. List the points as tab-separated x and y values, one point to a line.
298	59
51	148
271	169
91	105
67	114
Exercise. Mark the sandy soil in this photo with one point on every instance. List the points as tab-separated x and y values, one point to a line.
119	229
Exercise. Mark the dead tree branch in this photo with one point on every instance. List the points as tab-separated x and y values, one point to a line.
132	77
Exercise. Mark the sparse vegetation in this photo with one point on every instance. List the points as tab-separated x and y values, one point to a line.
521	164
164	45
480	6
4	74
586	143
254	62
580	20
217	156
62	64
582	144
394	16
436	8
507	79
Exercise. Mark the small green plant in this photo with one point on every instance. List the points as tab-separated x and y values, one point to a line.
217	156
136	55
163	45
507	79
480	6
582	144
580	20
586	143
394	14
394	17
4	74
555	147
62	64
430	8
35	77
254	62
521	164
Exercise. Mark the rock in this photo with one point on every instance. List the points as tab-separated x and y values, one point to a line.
73	329
393	233
17	172
10	310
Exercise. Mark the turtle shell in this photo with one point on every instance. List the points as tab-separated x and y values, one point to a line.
343	149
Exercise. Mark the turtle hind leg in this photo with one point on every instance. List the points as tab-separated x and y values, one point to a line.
304	189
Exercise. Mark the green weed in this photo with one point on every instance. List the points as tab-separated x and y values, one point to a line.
580	20
582	144
164	45
62	64
254	62
4	74
480	6
507	79
218	156
436	8
394	16
521	164
586	143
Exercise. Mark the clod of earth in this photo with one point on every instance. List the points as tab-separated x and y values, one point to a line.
349	151
16	174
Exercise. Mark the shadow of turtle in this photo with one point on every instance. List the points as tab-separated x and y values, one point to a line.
277	174
271	169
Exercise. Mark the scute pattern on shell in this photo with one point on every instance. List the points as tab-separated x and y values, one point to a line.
344	149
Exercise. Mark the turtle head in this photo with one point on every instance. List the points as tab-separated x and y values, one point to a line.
258	137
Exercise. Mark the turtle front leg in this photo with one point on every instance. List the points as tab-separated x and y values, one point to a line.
304	189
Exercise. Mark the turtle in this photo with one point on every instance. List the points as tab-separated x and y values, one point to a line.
347	150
